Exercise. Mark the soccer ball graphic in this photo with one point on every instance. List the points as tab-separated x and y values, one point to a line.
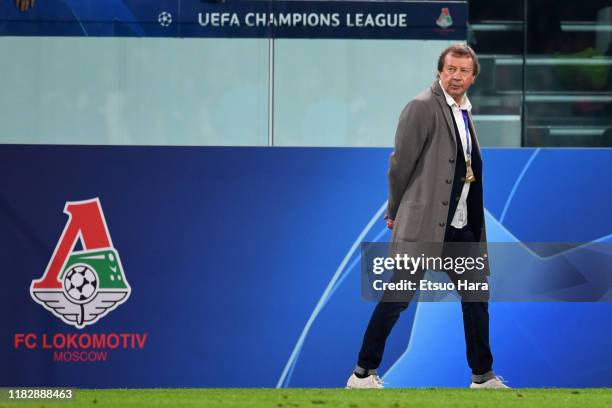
81	283
164	18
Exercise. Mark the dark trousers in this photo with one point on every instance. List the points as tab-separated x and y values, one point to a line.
475	325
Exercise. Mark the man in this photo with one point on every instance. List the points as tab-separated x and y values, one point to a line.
435	195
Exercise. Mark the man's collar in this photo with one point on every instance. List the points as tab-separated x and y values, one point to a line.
465	103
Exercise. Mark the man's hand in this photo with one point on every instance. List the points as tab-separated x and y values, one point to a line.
24	5
390	223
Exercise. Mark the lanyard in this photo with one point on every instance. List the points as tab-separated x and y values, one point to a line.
467	132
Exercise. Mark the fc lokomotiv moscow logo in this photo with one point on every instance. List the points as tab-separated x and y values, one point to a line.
81	287
444	19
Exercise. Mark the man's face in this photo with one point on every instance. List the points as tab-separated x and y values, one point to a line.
457	75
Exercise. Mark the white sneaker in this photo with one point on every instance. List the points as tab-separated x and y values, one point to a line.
371	381
495	382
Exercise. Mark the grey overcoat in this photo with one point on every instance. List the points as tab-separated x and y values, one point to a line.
421	173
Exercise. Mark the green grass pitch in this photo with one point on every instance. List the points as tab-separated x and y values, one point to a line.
331	397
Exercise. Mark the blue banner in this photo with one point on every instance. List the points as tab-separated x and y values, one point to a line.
239	267
446	20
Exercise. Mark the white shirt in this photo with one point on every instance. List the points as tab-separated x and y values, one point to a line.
460	219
